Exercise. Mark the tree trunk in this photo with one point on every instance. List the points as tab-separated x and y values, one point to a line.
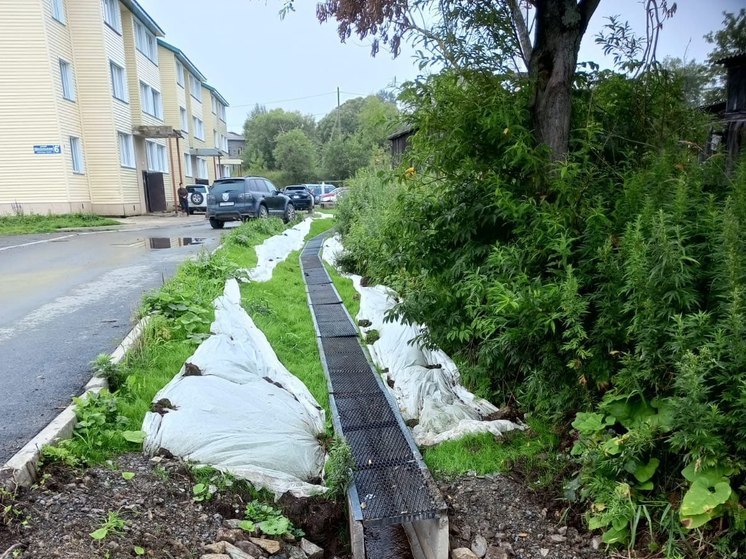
560	25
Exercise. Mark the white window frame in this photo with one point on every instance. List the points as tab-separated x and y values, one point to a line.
152	101
221	112
156	155
180	73
145	42
184	117
188	165
126	150
215	139
195	88
201	168
112	16
118	82
76	154
67	79
58	11
199	129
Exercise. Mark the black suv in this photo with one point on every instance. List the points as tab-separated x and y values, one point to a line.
241	198
300	195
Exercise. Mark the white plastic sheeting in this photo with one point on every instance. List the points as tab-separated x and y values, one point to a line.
426	384
235	407
276	249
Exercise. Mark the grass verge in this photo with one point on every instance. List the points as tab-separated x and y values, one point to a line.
27	224
485	453
279	308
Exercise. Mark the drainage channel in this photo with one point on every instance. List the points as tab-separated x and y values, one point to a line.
393	498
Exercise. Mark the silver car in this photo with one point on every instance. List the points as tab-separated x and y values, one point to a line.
197	198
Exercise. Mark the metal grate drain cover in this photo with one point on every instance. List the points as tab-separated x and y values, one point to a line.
394	495
379	447
363	411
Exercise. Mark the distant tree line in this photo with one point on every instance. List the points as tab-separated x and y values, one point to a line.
290	147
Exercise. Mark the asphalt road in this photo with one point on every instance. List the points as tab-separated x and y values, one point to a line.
67	297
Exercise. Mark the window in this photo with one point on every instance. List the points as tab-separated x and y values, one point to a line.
68	84
199	130
112	17
145	42
196	88
214	102
76	150
187	165
226	171
184	119
151	101
126	150
180	73
156	157
215	138
58	10
201	168
221	112
118	82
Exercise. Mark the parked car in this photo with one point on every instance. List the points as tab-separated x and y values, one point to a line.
242	198
197	198
330	200
301	196
318	190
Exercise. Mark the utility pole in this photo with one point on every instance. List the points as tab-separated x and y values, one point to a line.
339	131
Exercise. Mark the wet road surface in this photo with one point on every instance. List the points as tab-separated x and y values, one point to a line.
67	297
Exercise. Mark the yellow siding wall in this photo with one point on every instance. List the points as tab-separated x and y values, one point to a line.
28	113
90	34
68	112
170	93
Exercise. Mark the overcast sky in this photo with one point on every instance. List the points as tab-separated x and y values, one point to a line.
251	56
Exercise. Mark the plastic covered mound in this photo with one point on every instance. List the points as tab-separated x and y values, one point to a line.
426	383
276	249
235	407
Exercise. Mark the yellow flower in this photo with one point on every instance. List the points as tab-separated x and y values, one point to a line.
409	173
506	131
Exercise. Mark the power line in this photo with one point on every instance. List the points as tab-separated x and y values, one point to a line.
298	99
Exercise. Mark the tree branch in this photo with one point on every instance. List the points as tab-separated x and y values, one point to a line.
521	30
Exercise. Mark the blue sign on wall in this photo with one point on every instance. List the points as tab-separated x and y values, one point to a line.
52	149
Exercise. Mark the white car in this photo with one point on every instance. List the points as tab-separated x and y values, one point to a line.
197	198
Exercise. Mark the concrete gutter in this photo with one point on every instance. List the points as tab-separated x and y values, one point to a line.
22	468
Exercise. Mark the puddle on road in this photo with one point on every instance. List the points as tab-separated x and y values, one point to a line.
173	242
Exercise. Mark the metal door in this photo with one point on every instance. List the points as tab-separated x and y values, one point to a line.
155	193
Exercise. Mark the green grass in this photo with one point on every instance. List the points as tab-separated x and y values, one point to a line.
485	453
279	308
26	224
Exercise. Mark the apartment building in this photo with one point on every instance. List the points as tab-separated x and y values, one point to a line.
91	110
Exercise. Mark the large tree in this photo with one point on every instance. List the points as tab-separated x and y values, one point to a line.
261	129
493	34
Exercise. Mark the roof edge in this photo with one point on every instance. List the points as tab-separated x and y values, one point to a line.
143	16
216	93
183	58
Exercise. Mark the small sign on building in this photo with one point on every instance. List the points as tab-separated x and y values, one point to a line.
47	149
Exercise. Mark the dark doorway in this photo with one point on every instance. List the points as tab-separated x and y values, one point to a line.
155	194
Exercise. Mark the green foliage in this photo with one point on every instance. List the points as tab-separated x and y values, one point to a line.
295	155
338	469
371	337
611	284
104	367
268	520
262	129
114	524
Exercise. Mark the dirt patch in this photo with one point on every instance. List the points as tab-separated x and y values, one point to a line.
505	519
495	516
160	518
